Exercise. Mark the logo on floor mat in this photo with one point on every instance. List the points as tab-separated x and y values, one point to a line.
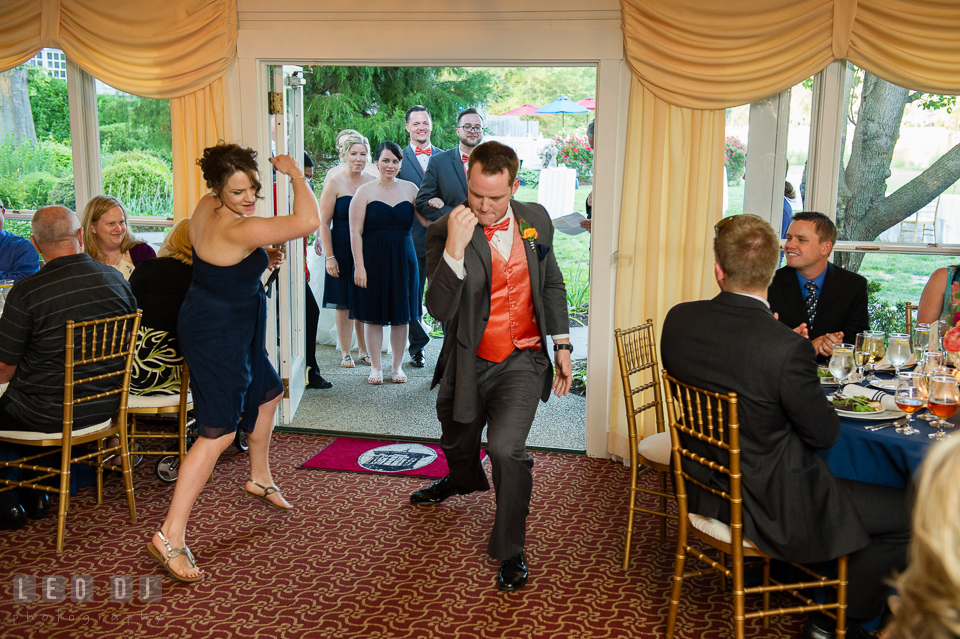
397	458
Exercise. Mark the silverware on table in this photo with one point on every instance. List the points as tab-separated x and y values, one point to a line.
899	422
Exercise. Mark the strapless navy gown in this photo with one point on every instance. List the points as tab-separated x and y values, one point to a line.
391	263
221	328
337	291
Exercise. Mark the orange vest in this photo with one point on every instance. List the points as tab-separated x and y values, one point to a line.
513	322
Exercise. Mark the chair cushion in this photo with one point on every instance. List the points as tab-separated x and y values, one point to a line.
656	448
31	436
716	529
156	401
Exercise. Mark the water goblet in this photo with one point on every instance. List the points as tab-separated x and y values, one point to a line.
909	398
898	350
944	402
921	340
876	349
841	364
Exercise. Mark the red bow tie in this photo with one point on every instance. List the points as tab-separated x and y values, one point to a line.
464	158
493	228
419	151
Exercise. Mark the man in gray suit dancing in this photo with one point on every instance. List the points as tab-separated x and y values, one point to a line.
495	280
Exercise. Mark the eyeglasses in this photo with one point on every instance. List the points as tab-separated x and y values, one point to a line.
723	222
471	128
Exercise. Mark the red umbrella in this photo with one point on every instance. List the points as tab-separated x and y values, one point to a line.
590	103
526	109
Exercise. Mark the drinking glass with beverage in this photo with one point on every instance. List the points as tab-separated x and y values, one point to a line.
876	349
861	353
944	402
898	350
909	398
841	364
921	340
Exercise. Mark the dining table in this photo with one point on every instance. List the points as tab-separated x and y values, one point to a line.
884	456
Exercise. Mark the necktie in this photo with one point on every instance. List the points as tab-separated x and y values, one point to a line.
811	302
419	151
465	158
503	225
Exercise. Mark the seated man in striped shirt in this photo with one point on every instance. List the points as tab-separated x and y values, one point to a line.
70	286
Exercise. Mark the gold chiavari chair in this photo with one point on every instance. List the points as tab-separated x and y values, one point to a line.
155	405
910	311
710	419
90	343
639	371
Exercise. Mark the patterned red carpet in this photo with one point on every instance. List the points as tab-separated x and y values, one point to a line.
357	560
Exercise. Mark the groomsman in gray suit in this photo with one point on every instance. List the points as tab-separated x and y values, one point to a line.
416	159
445	181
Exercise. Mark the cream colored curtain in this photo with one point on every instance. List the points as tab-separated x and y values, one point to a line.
672	192
692	59
175	49
198	120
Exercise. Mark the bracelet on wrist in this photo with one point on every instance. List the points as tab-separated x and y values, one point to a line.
299	177
329	258
563	347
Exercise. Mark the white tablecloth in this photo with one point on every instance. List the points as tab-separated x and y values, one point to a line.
556	189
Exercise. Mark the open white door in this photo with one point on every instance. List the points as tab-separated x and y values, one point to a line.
286	315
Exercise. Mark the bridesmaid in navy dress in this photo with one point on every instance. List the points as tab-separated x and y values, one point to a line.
338	259
384	260
221	329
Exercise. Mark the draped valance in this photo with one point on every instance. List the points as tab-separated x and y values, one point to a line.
712	54
161	50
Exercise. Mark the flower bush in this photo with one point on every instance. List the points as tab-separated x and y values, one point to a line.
735	159
576	153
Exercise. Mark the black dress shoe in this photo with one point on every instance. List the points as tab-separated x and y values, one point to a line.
315	380
437	492
820	626
513	573
12	517
36	504
418	360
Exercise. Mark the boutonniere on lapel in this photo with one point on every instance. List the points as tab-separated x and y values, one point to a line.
529	234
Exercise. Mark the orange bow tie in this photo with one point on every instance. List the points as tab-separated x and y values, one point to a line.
493	228
419	151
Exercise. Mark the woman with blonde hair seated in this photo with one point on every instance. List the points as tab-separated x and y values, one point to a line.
160	285
929	601
107	237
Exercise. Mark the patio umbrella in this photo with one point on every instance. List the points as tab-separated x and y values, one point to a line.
526	109
588	103
562	105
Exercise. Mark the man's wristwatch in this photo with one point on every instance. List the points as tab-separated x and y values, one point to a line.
563	347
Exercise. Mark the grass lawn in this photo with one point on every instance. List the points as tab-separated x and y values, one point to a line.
572	251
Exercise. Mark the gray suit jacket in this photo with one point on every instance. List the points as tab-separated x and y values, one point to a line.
444	179
793	506
465	304
411	172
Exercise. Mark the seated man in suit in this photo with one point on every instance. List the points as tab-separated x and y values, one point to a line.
18	258
794	508
70	286
830	301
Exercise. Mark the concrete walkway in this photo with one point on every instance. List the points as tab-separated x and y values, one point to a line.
409	410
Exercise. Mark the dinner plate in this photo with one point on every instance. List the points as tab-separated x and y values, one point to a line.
875	416
885	384
829	381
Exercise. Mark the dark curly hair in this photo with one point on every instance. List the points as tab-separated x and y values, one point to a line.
220	162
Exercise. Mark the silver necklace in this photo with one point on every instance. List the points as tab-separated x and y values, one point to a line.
386	187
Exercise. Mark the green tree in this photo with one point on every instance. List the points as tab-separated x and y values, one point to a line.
373	100
129	122
49	105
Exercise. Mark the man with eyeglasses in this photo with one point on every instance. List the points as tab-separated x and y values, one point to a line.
794	508
444	184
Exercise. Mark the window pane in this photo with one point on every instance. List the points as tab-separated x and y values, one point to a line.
136	151
890	189
735	158
36	162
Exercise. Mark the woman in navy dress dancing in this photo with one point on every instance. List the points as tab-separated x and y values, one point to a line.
221	329
384	260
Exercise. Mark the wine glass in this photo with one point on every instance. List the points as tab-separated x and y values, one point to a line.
898	350
841	364
861	353
876	349
944	402
921	340
909	398
929	365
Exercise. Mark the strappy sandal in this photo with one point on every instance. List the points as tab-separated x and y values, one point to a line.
173	553
267	491
365	360
399	377
376	377
346	361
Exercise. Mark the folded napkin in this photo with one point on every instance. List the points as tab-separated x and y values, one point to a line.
885	399
885	365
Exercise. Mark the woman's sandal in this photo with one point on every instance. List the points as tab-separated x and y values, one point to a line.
376	377
346	361
365	359
399	377
173	553
267	491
